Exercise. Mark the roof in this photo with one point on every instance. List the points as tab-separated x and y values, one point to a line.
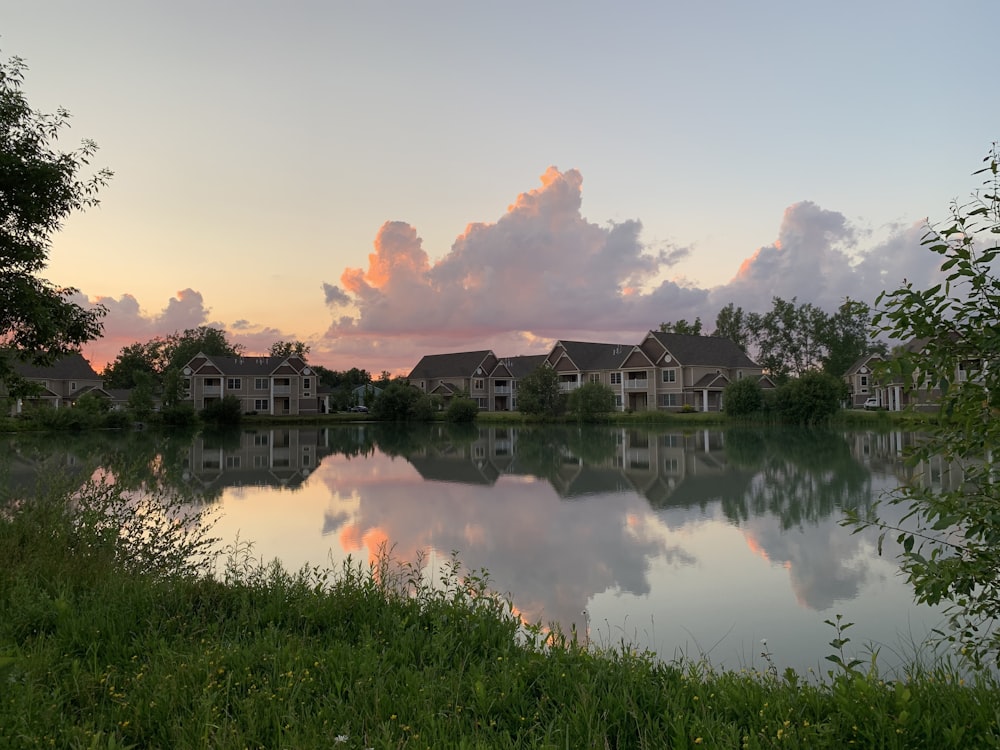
523	365
864	359
689	349
70	367
249	366
587	355
462	364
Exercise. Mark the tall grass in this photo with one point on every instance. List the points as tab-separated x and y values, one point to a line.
113	636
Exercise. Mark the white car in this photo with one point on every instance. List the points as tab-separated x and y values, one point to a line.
871	403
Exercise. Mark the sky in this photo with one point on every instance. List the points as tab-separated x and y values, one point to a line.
383	180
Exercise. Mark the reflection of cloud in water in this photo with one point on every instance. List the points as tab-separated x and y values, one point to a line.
554	554
825	565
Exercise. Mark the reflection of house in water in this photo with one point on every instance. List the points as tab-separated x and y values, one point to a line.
23	472
886	453
667	468
256	457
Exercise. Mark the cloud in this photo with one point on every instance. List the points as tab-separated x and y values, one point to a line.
127	323
542	271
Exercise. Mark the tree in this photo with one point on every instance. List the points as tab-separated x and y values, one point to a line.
131	363
951	538
682	326
39	187
810	399
591	402
848	337
743	397
538	393
289	348
401	402
180	348
731	324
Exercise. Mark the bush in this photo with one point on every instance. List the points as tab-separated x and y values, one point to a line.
462	409
592	402
743	397
226	410
401	402
538	393
810	399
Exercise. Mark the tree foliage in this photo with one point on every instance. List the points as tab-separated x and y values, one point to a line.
682	326
743	397
792	339
538	393
951	537
289	348
462	409
810	399
401	402
591	402
163	354
39	187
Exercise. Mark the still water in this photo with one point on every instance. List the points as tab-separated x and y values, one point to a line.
699	542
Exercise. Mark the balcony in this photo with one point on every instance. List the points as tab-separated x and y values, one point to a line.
281	390
635	384
212	390
501	390
571	385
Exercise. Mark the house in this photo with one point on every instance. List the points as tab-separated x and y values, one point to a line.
861	380
693	371
502	382
579	362
457	373
262	384
365	394
60	383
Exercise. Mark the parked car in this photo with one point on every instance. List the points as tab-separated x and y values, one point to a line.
360	408
871	403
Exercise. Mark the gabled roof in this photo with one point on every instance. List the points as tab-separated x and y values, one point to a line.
690	350
712	381
519	367
862	361
456	364
251	366
70	367
587	355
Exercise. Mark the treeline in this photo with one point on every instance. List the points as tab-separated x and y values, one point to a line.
792	339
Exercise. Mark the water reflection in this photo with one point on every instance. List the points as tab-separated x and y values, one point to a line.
676	539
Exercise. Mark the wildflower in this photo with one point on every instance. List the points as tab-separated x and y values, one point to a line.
341	738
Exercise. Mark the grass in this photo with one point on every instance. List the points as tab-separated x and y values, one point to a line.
112	639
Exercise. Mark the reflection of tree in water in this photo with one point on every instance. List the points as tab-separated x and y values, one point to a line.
804	475
544	451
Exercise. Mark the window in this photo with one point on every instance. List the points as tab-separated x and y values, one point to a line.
481	402
477	385
864	381
618	401
186	384
234	384
260	462
616	379
595	377
72	386
306	384
260	384
260	438
232	462
671	465
670	399
261	404
670	375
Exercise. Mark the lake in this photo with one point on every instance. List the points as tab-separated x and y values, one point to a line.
697	542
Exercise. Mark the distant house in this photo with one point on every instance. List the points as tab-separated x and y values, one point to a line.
264	385
361	394
448	375
861	380
580	362
503	381
693	371
59	384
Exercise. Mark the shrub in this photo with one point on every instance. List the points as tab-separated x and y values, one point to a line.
592	402
462	409
743	397
226	410
810	399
